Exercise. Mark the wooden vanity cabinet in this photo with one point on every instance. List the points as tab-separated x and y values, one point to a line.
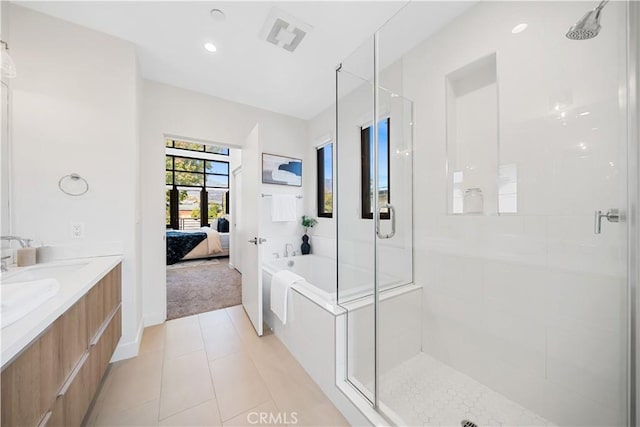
52	382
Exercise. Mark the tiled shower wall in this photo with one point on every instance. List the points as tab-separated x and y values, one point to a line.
531	304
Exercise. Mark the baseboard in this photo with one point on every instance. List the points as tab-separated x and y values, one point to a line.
127	350
156	318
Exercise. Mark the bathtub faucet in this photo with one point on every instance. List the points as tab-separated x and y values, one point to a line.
286	250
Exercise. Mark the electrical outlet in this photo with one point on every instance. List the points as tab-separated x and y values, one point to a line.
77	230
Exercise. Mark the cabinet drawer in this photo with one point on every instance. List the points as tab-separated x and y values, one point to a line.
21	395
102	299
74	335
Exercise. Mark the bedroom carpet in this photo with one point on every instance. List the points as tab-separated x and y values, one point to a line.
201	287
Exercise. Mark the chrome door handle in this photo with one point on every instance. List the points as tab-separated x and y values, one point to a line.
392	215
254	241
612	215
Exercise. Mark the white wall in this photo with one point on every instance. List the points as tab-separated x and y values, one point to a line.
167	110
75	110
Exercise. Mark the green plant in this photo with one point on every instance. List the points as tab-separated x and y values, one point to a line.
308	222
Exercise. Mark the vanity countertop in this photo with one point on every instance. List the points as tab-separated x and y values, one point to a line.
73	286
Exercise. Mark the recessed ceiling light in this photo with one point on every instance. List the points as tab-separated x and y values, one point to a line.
217	15
519	28
210	47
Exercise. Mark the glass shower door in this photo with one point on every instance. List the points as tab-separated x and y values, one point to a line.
521	165
355	229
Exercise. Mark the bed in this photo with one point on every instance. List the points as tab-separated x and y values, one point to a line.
186	245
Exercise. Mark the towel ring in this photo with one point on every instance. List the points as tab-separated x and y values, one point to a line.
74	179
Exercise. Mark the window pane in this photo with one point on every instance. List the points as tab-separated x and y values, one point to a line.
189	146
190	179
189	209
169	162
217	203
168	177
189	165
328	178
216	150
221	168
168	206
218	181
325	180
368	170
169	143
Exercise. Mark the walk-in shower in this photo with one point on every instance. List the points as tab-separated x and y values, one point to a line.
470	160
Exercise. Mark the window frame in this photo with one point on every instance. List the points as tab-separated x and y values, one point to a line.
204	147
320	179
174	188
366	210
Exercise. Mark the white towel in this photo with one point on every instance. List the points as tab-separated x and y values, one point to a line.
19	299
281	283
283	208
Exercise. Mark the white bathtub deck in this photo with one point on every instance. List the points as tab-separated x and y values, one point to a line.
425	392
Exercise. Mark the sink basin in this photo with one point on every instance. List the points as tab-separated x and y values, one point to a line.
44	271
20	298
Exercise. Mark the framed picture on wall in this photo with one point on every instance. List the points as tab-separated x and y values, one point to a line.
281	170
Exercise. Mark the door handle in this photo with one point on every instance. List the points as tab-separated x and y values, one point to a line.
392	215
612	215
254	241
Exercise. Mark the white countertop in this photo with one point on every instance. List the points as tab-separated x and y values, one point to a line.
18	335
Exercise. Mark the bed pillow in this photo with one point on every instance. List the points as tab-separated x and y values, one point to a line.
214	224
223	225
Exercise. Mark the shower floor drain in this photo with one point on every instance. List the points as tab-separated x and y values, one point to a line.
467	423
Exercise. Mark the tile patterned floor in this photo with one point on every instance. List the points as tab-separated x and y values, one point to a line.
423	391
211	369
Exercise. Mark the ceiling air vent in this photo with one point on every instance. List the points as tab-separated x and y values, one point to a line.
283	30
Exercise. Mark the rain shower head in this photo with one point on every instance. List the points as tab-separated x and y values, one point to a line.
589	26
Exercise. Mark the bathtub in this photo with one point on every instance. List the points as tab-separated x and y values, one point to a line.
317	331
320	274
320	280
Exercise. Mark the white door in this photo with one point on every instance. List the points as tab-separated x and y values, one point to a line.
249	238
236	219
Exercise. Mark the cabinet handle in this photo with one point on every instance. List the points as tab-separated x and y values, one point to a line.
45	419
74	374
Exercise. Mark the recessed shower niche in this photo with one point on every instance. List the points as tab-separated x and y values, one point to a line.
472	138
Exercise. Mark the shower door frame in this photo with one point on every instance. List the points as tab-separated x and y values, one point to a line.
633	194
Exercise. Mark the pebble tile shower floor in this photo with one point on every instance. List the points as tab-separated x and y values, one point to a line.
426	392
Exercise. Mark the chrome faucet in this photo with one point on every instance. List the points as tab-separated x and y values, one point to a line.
286	250
25	243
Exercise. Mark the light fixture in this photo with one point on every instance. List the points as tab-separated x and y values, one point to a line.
585	113
210	47
6	63
583	146
519	28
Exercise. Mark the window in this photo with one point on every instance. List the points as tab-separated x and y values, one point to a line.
192	146
197	184
325	180
368	172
